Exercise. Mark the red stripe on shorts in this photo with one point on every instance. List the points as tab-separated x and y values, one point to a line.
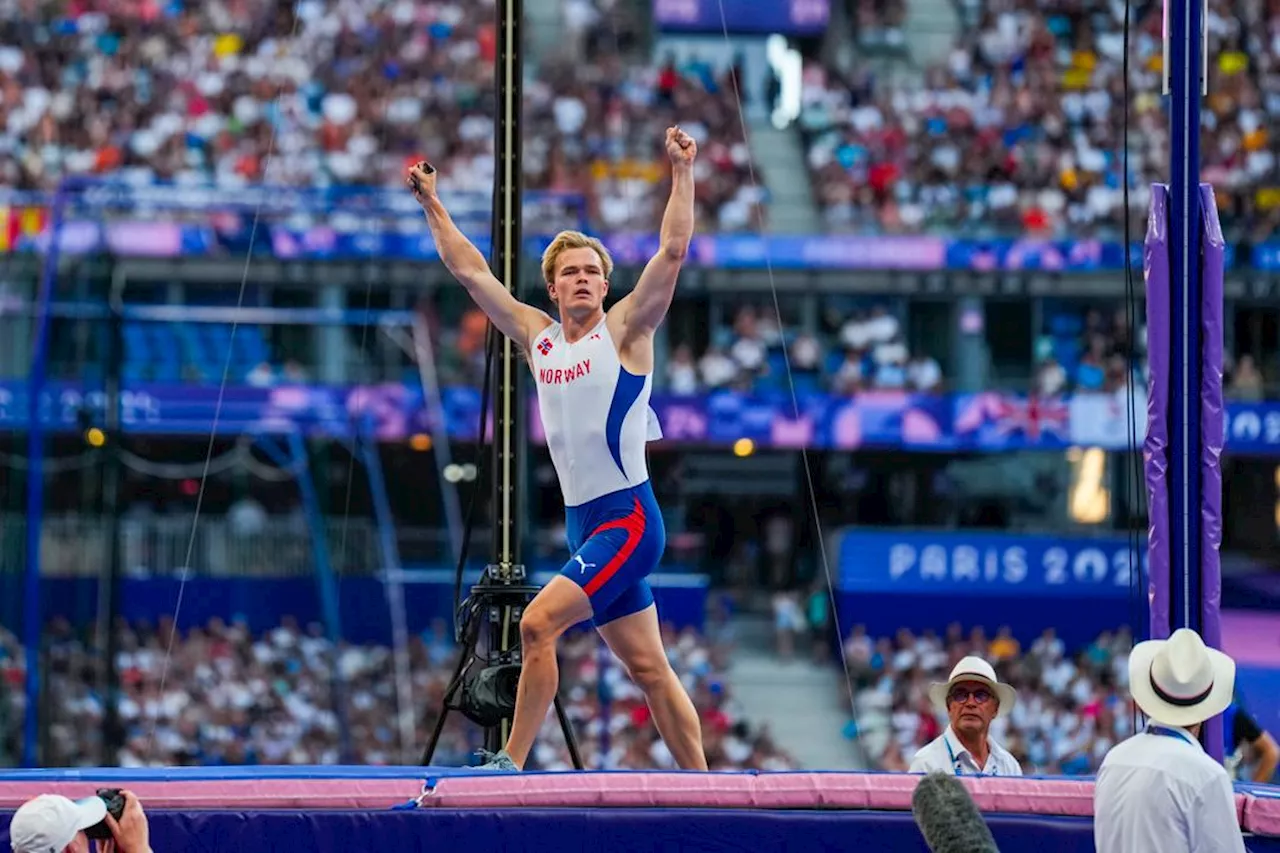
633	523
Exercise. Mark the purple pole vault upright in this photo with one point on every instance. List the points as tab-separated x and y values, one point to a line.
1186	365
1185	586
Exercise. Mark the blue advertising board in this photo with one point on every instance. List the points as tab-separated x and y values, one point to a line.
986	564
1253	427
930	580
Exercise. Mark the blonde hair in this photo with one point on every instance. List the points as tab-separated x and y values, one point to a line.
566	240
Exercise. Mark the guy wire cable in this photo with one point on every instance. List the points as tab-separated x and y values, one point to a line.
820	543
268	159
222	387
490	346
355	415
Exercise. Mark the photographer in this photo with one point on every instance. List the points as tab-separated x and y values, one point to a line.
54	824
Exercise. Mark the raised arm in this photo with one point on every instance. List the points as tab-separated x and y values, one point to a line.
517	321
646	305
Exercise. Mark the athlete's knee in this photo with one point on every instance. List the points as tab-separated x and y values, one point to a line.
538	629
650	672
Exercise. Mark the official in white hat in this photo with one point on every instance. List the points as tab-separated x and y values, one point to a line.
53	824
1159	791
971	698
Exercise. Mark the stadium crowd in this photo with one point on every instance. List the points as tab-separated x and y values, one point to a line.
230	698
1021	127
1087	351
845	354
1071	708
350	92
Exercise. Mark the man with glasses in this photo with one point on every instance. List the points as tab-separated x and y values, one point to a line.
972	697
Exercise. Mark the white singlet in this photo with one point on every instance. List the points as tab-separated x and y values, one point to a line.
595	413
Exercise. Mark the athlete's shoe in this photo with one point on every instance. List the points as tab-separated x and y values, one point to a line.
497	761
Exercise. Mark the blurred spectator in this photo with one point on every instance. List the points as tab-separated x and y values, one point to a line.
1245	381
1050	378
878	24
682	371
717	369
788	622
1004	647
923	373
821	625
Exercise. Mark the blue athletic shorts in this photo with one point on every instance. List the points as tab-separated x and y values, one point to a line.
616	541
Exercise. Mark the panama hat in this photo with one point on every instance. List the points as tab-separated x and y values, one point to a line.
1181	681
974	668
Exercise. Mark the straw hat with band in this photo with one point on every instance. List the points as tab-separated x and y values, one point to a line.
1181	681
974	668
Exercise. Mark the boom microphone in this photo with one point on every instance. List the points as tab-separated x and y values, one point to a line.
948	817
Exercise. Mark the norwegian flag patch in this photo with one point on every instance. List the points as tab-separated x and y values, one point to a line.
544	346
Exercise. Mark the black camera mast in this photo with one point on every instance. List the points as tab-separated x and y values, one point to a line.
497	601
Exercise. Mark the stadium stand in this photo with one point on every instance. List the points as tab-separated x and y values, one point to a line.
351	96
229	698
1020	129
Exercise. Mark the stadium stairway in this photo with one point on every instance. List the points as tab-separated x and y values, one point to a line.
931	29
792	209
803	704
544	28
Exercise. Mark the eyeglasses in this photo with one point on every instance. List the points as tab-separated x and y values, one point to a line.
962	694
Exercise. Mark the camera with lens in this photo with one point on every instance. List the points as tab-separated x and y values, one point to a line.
115	807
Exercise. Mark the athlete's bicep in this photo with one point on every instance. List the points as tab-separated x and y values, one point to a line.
645	307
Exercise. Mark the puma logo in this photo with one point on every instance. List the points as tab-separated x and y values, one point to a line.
585	565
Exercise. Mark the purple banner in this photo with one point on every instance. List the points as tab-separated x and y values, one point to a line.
1212	435
394	411
1156	446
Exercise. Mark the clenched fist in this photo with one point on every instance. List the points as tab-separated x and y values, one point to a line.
680	147
422	180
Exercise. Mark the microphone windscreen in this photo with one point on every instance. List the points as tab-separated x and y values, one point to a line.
948	818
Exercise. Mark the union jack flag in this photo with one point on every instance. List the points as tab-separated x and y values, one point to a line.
544	346
1031	416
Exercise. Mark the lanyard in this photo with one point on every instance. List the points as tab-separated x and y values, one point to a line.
955	762
1176	734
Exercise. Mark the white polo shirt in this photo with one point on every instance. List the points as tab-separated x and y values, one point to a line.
1160	792
947	754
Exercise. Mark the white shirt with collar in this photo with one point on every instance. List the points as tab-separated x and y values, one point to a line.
1160	792
945	753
